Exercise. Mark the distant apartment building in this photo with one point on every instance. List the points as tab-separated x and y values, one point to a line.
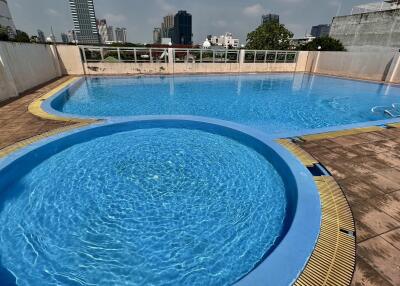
71	36
226	41
157	36
182	32
6	20
371	26
167	26
176	29
64	38
41	37
84	17
120	35
269	18
320	31
102	27
110	34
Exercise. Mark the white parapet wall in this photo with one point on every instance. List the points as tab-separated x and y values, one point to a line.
24	66
373	66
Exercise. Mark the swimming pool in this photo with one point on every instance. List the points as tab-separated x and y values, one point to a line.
165	202
273	103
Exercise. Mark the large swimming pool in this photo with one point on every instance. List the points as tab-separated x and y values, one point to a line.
275	103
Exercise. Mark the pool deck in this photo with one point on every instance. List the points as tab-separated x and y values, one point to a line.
366	166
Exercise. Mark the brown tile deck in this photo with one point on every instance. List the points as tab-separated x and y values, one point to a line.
16	123
367	167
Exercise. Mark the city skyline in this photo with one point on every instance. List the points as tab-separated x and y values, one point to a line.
226	16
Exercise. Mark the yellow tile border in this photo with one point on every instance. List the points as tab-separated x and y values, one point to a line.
36	109
36	106
303	156
21	144
394	125
333	259
335	134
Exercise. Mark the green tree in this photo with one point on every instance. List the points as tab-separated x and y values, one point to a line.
3	34
323	44
269	36
22	37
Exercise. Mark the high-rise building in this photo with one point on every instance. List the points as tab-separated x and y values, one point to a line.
102	27
64	38
157	36
270	18
84	18
110	34
120	35
167	26
6	20
182	32
320	30
71	36
41	37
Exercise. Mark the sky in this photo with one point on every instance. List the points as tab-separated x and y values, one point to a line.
214	17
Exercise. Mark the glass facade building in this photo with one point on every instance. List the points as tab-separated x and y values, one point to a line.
182	32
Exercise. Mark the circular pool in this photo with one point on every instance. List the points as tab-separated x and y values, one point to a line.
119	204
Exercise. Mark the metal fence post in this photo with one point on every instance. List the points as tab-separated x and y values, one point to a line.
119	55
151	55
101	54
135	55
84	55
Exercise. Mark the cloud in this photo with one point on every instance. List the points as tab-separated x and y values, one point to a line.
220	24
52	12
115	18
254	10
165	6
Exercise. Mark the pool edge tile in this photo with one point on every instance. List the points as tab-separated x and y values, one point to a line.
333	259
36	107
335	134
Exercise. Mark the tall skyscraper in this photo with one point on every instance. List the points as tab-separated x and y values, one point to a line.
41	37
110	34
6	20
102	27
182	32
167	26
120	35
270	18
320	30
84	18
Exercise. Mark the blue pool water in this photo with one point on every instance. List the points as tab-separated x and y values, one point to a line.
273	102
143	207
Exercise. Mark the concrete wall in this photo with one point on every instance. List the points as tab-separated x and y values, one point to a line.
377	31
70	60
361	65
24	66
371	66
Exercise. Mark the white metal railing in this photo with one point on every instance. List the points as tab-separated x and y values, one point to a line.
178	55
